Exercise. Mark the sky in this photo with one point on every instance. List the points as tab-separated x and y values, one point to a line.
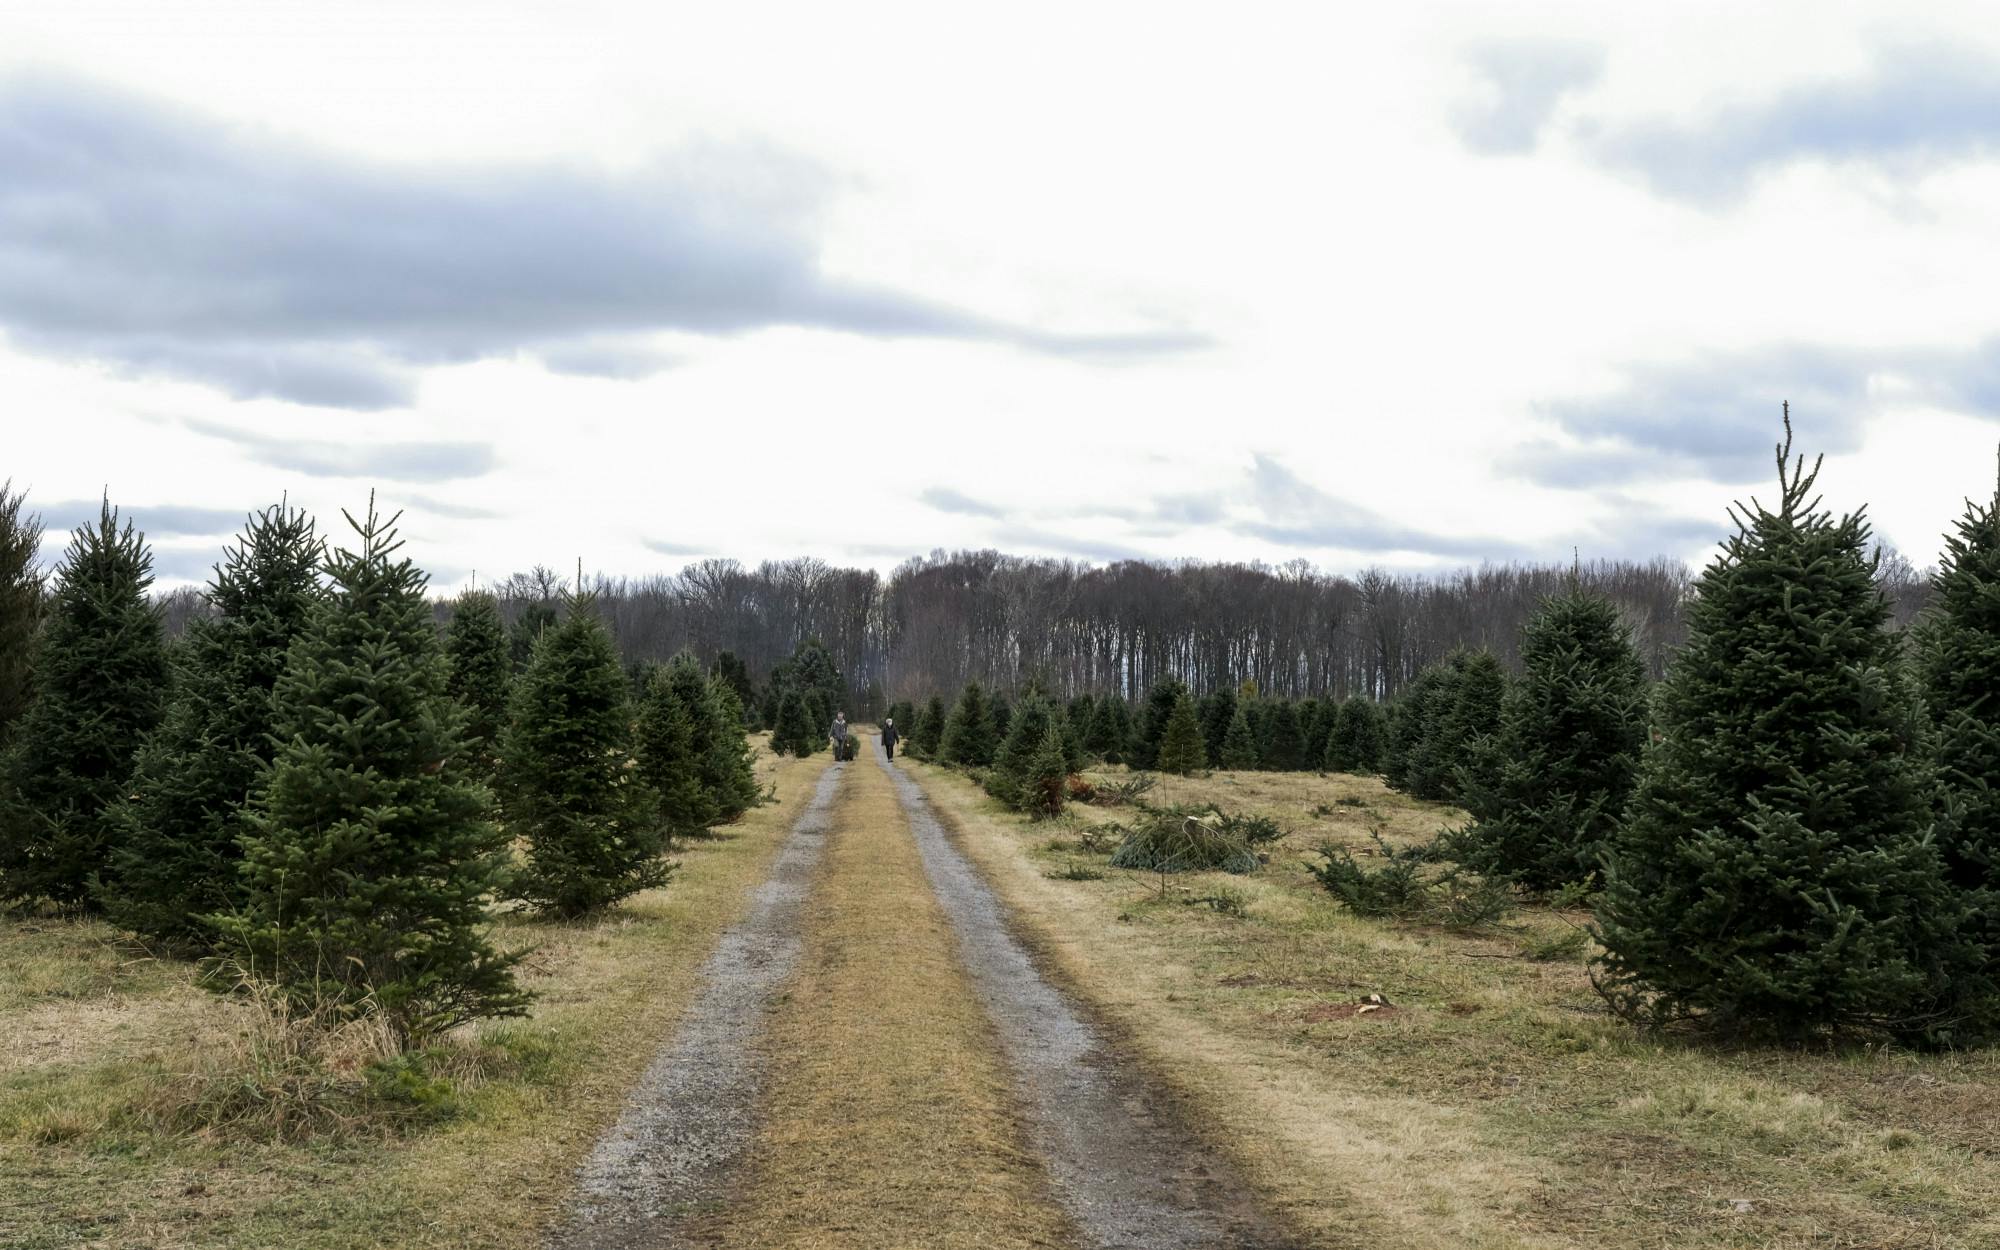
1413	286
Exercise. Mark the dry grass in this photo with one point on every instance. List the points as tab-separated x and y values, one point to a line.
887	1120
1497	1105
97	1149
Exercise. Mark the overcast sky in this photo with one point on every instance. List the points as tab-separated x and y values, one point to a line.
1409	285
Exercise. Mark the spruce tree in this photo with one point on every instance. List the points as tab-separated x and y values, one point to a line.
1001	713
1110	730
1775	876
1031	723
1354	745
1181	751
1077	717
20	604
793	732
1218	709
731	671
1152	723
1281	747
1239	742
179	828
537	617
728	763
669	761
368	858
969	739
481	668
1958	654
574	786
930	728
1556	777
1408	720
1045	777
101	680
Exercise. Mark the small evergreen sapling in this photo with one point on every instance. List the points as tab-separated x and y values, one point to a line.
969	738
1239	741
1280	745
1354	745
930	729
1152	723
368	858
1181	751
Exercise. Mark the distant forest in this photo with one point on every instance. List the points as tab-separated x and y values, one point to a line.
940	621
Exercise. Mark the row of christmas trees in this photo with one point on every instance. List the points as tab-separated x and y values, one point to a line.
304	786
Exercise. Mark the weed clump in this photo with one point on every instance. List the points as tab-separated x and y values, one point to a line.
1401	888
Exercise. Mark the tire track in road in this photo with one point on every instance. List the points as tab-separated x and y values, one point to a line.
682	1135
1128	1172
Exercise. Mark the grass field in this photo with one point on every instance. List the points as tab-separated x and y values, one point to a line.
115	1068
1493	1102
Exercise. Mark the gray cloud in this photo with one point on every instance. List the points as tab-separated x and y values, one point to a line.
155	520
1717	416
1523	81
1917	108
155	242
1295	513
666	548
945	499
1018	536
445	508
395	462
606	358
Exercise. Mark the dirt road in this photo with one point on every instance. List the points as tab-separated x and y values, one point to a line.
876	1060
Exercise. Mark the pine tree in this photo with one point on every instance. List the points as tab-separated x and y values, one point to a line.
178	843
1032	723
969	739
1239	742
1774	876
1958	654
1110	730
1315	724
1077	717
1557	775
728	763
481	668
368	858
1280	746
1152	725
574	786
20	604
1181	751
1001	713
101	680
793	730
1218	709
1459	704
1045	777
537	617
669	762
1408	720
1355	743
930	728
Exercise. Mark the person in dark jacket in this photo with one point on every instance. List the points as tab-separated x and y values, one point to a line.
890	737
838	736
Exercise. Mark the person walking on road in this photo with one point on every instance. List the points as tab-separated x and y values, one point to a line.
890	737
838	736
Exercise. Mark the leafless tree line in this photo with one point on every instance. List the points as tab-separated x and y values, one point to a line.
942	620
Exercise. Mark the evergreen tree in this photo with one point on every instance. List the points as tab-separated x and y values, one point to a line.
1774	876
793	732
537	617
1045	777
575	788
368	859
1408	720
969	739
1002	715
481	668
1110	730
1239	742
728	762
1557	775
1355	743
930	728
20	604
1280	746
1958	654
1218	710
1026	731
1181	751
1081	711
1460	704
179	828
1152	725
1315	727
731	671
101	680
670	760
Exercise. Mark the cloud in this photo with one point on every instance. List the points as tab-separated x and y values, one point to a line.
623	360
1917	108
1292	512
945	499
1521	83
156	242
666	548
154	520
1019	536
1716	416
395	462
